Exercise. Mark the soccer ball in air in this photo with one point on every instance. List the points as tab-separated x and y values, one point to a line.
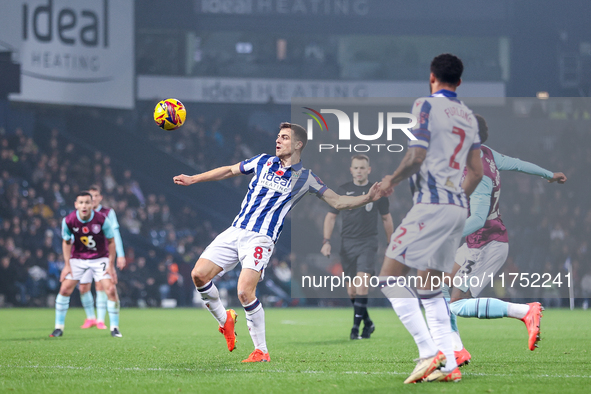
170	114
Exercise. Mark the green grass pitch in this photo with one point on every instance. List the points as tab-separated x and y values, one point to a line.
180	350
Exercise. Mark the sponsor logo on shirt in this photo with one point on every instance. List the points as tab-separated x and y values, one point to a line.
274	182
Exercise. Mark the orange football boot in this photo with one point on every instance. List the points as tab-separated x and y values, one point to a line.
462	357
257	356
228	329
532	322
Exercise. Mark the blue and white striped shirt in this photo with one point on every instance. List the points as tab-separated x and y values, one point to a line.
448	130
272	192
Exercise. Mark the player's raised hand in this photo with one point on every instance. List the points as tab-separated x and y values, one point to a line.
65	271
121	262
182	179
558	177
326	249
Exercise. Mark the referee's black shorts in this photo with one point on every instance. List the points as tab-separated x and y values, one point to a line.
359	255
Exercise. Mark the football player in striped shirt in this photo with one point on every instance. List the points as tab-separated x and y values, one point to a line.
278	183
446	142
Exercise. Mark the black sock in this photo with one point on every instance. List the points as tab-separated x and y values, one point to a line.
360	307
352	301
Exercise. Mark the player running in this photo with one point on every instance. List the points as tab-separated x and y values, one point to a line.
447	141
487	247
88	245
86	298
359	240
279	182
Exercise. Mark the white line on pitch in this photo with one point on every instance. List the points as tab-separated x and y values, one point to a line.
276	371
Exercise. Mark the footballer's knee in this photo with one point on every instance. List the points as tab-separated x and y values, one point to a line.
84	288
200	278
204	271
66	289
66	292
246	296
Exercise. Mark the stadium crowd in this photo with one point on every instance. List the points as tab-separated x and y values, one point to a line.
38	185
39	180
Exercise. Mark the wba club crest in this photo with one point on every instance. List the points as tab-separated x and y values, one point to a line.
96	228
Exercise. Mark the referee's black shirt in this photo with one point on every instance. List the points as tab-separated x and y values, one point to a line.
363	221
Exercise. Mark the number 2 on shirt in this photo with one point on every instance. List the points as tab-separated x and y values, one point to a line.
452	161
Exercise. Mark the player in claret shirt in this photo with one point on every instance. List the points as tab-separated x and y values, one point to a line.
86	298
487	247
88	244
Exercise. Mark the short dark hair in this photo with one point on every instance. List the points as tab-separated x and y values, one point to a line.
360	157
482	128
95	188
447	68
84	194
299	132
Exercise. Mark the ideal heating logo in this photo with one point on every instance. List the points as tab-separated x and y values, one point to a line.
65	43
344	132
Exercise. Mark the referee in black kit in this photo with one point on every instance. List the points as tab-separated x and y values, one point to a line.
359	235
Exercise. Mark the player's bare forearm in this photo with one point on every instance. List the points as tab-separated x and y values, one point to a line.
474	173
217	174
329	221
410	164
388	225
351	202
112	251
66	251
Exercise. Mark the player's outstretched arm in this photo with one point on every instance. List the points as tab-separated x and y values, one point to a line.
216	174
508	163
351	202
329	221
475	172
410	164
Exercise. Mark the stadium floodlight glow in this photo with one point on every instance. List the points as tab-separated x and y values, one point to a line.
543	95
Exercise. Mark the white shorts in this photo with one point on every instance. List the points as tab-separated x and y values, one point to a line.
428	237
480	263
96	268
86	277
236	245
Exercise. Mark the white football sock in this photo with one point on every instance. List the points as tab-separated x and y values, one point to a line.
517	311
255	320
211	297
437	314
456	341
408	309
